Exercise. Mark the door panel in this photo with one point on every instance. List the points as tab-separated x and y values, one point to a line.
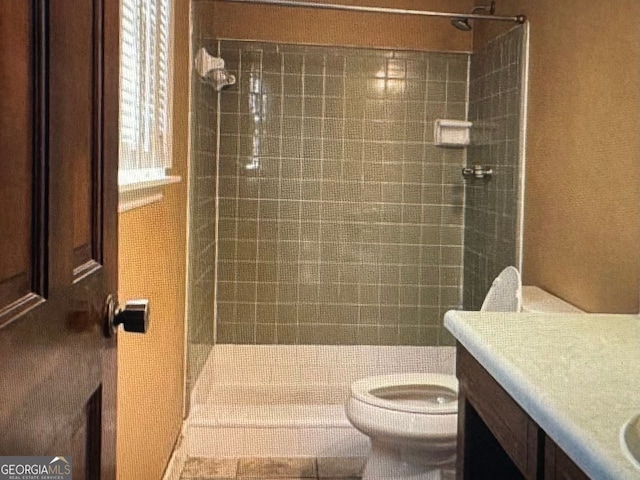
58	217
16	155
73	89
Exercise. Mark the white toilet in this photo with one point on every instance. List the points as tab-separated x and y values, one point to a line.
412	419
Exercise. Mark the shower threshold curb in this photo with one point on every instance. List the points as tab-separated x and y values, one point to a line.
270	416
274	431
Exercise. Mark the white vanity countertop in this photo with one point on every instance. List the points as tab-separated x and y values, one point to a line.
576	375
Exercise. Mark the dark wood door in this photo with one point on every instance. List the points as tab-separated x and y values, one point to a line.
58	227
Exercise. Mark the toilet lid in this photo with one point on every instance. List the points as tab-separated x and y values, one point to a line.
505	294
426	393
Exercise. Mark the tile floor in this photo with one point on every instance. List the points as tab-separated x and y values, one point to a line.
197	468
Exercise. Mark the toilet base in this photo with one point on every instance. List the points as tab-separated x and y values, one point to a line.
393	462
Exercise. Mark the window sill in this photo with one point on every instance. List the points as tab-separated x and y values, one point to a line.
138	194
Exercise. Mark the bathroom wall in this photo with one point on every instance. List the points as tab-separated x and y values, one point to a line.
151	265
325	27
212	19
202	221
491	240
582	189
340	222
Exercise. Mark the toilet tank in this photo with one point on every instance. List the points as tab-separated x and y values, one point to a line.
537	300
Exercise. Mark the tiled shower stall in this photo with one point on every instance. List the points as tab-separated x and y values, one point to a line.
339	221
321	212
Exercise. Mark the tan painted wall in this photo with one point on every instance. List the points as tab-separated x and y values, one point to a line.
152	265
324	27
582	199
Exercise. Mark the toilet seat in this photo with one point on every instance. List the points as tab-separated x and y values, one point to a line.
419	393
505	294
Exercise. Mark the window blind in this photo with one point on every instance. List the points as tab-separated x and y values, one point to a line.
145	126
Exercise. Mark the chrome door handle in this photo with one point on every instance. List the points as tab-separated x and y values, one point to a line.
134	317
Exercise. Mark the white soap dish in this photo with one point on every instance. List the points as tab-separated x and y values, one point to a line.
451	133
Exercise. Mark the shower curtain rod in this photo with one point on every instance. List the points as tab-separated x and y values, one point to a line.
395	11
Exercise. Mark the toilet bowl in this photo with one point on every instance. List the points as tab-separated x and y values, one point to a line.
411	419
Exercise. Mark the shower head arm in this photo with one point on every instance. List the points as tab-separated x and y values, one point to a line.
211	70
489	9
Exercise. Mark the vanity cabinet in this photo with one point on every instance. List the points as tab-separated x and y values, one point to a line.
496	438
557	465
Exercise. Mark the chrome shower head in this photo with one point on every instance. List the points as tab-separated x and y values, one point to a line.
462	23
